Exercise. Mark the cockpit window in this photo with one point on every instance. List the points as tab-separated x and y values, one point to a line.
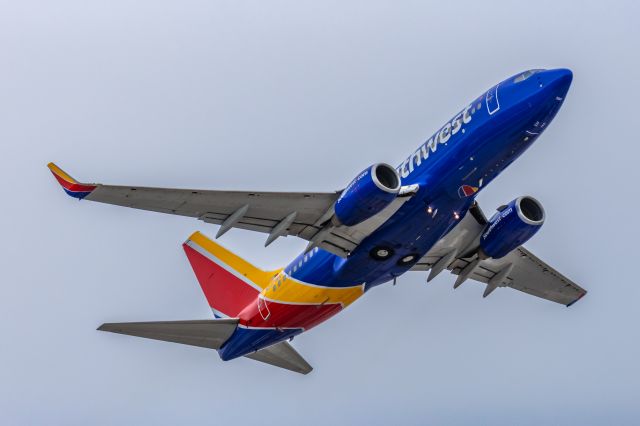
525	75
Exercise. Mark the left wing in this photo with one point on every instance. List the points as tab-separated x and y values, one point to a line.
520	269
303	214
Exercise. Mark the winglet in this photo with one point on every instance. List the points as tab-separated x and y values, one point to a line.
71	186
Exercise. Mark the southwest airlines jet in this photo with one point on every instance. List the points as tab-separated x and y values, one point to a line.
418	216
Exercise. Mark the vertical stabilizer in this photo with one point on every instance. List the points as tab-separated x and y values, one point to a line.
229	282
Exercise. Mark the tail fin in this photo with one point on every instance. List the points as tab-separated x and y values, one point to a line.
229	282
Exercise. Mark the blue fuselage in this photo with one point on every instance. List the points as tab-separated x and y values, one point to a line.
468	152
451	167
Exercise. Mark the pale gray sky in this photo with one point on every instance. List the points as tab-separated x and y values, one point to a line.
301	96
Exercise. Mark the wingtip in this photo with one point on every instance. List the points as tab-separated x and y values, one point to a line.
71	186
579	297
59	173
110	327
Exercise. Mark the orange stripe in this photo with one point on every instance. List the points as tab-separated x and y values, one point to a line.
257	276
291	290
61	173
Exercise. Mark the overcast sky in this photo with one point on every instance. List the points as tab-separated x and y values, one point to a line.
300	96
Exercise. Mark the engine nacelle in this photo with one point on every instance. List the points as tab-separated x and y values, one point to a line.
368	194
511	227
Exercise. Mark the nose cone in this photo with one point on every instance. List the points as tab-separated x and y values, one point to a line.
558	81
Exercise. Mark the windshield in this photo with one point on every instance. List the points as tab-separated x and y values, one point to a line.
525	75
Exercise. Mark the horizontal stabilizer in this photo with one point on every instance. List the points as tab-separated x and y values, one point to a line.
204	333
284	356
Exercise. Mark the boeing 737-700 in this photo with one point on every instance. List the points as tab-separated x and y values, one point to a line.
419	216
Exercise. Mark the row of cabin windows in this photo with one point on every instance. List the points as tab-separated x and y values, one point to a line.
304	259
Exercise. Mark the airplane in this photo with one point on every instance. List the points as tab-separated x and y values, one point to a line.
419	216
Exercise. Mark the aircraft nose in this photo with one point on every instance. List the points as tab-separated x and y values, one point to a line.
559	81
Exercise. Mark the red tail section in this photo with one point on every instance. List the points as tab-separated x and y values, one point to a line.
229	283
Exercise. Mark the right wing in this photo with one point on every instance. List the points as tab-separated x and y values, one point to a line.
520	269
303	214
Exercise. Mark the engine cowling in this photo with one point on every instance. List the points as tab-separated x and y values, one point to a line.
511	227
368	194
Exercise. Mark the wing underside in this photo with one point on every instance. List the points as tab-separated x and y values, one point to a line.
520	269
303	214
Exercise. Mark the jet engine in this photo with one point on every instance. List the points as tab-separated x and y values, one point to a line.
368	194
511	227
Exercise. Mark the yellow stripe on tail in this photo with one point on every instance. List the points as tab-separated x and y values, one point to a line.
276	285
